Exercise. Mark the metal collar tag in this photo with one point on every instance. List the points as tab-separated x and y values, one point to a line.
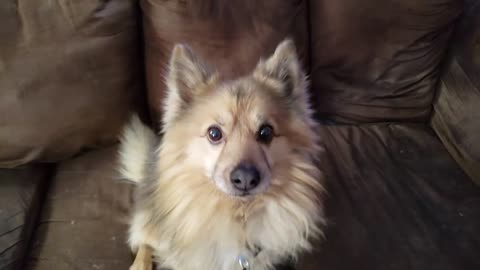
243	262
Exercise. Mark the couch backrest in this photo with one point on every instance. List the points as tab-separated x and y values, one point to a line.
70	72
370	61
456	117
69	75
378	60
231	35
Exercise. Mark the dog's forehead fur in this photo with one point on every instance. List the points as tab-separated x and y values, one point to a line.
244	102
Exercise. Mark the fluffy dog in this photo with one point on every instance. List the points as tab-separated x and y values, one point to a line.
232	183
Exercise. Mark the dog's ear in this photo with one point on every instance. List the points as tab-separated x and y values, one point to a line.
283	70
187	77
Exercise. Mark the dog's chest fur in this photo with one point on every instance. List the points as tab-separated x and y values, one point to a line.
201	236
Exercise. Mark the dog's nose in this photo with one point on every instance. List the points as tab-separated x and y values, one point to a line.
245	177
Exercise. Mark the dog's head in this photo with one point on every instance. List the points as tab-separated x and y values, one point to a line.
242	135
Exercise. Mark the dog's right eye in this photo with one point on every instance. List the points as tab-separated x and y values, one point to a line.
214	134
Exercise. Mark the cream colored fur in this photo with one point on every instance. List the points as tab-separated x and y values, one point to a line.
186	212
136	144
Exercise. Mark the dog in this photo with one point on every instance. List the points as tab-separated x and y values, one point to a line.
232	183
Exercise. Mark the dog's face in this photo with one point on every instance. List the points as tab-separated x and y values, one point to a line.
240	135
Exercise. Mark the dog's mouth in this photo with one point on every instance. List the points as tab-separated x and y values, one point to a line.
238	194
243	194
246	194
243	197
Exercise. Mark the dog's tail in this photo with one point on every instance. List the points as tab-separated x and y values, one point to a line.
136	146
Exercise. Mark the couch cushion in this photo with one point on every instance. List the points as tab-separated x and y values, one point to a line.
378	60
230	35
396	201
83	224
456	116
21	196
69	72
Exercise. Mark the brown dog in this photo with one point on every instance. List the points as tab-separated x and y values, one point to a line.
232	184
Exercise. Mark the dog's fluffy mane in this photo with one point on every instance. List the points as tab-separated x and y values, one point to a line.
193	225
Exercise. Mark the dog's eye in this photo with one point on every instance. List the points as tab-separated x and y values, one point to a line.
214	134
265	134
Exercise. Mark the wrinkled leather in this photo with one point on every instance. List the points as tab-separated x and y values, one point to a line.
396	200
377	60
230	35
456	117
69	74
84	220
21	196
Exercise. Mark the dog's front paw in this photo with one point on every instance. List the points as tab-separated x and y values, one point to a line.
141	265
143	259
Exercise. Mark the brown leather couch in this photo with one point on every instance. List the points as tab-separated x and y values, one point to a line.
395	84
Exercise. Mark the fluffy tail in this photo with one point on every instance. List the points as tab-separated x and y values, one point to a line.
136	146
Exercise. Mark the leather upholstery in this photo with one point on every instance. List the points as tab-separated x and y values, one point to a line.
22	191
84	220
377	60
72	71
231	35
456	117
69	76
396	200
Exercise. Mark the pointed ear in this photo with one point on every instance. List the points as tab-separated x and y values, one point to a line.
283	70
187	77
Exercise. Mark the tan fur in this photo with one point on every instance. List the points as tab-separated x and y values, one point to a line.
143	259
186	211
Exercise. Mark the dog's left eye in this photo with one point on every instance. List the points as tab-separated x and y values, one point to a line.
265	134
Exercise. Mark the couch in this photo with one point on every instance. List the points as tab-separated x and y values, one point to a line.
395	85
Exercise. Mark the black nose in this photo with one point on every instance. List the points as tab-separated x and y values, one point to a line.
245	177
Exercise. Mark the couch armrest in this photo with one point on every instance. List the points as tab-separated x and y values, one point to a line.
456	114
